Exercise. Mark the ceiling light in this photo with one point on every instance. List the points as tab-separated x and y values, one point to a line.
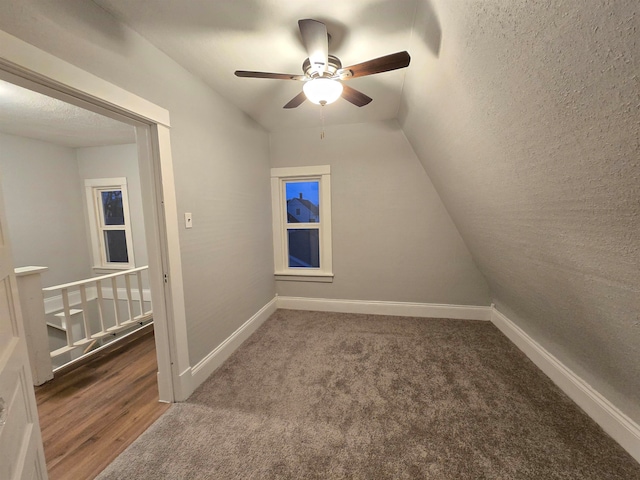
322	91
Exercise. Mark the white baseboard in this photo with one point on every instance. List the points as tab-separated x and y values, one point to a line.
621	428
403	309
184	386
205	367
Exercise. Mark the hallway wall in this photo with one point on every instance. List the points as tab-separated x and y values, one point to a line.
220	159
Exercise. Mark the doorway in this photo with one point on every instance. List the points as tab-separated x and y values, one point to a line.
27	66
49	152
58	164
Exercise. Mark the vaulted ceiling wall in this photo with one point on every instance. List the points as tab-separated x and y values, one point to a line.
526	117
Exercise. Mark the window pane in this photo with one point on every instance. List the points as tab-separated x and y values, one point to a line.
116	245
304	248
112	207
302	202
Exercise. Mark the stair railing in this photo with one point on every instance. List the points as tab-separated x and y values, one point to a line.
74	301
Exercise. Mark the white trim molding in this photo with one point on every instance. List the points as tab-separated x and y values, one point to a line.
205	367
618	425
403	309
280	178
97	227
19	57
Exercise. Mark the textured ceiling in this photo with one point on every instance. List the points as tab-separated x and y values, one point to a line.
30	114
212	39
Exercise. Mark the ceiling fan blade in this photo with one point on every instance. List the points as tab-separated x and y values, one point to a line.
276	76
296	101
377	65
352	95
316	41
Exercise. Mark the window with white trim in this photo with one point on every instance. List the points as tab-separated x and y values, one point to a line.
301	206
109	223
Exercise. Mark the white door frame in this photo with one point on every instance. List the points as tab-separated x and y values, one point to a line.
27	66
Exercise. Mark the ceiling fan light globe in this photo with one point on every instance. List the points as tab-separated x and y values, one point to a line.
322	91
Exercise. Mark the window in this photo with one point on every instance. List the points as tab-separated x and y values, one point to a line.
109	223
301	203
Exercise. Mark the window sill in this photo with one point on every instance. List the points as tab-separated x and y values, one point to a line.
306	277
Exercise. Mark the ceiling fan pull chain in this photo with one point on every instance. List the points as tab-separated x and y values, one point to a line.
322	119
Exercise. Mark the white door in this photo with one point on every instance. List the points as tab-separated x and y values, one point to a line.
21	452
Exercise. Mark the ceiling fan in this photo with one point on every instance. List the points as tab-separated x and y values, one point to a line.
323	73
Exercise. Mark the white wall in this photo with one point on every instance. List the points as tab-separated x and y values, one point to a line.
44	208
118	161
392	237
220	159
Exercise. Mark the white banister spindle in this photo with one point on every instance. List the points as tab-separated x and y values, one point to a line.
127	283
85	311
140	291
67	316
81	294
114	288
100	302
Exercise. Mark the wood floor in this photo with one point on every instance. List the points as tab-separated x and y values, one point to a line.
91	414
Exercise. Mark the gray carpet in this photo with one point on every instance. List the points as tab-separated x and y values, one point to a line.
321	395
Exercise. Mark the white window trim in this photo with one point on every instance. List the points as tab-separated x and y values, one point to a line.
279	207
94	210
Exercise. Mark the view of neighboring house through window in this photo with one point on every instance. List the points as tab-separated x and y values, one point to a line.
302	221
108	209
114	235
303	206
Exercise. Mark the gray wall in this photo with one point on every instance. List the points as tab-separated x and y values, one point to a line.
525	116
44	208
117	161
392	237
220	159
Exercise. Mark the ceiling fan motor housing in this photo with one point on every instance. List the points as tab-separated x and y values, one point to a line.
334	64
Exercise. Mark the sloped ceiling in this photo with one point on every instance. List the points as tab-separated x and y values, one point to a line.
212	39
527	121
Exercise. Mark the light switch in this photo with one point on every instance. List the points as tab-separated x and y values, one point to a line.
188	221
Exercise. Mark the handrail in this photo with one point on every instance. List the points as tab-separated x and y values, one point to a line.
93	279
